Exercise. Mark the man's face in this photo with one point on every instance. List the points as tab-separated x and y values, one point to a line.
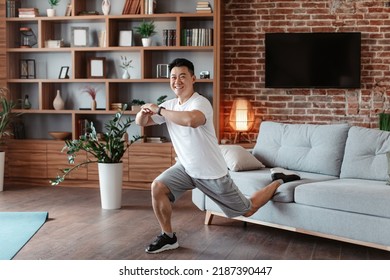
182	82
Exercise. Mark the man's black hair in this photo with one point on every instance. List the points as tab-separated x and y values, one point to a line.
180	62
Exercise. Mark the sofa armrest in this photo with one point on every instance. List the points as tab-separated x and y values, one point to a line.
199	199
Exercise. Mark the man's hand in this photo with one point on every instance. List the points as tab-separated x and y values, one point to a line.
143	117
150	108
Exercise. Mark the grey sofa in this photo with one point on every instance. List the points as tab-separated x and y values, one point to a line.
343	193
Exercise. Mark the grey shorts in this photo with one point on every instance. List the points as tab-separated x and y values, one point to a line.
223	191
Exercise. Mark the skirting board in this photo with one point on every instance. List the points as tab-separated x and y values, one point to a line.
210	214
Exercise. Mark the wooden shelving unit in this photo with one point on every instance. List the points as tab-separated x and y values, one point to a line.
143	84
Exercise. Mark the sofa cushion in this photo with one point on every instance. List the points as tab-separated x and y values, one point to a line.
353	195
239	159
365	154
302	147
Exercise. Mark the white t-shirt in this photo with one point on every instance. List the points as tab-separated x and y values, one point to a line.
197	148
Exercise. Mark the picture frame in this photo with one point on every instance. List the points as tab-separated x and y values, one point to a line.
96	67
27	69
125	38
64	72
162	71
80	36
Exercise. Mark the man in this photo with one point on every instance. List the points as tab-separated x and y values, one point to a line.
189	119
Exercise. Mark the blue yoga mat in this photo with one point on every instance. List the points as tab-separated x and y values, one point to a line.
16	229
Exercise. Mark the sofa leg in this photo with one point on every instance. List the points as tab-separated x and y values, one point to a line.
208	218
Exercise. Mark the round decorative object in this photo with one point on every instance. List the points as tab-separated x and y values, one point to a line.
58	102
60	135
106	7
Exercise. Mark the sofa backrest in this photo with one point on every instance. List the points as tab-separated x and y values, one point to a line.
302	147
365	154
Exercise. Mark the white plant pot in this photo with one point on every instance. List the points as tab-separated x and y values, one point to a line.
51	12
146	42
110	180
2	163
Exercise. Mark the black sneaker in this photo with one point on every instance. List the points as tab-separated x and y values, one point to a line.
162	243
284	175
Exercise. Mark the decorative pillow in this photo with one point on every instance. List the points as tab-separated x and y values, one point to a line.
239	159
388	167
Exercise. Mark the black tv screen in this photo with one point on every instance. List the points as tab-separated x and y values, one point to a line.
312	60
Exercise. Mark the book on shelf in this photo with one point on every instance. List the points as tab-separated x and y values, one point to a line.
12	7
156	139
28	12
203	7
197	37
132	7
169	37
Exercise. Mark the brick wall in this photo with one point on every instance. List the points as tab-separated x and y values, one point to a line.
244	24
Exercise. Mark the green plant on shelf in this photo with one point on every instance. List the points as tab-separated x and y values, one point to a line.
146	29
53	3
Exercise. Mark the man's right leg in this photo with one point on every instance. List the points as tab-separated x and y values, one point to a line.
162	207
167	187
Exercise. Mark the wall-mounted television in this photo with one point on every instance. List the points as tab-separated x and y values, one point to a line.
312	60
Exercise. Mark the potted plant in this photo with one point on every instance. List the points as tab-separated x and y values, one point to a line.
146	30
5	121
384	121
106	150
136	105
126	65
53	3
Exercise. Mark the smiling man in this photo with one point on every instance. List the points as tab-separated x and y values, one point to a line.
189	119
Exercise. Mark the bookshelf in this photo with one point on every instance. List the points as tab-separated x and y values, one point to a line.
85	37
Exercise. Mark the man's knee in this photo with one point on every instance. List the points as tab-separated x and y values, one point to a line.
158	188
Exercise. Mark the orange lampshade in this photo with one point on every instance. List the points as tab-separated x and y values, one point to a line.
242	117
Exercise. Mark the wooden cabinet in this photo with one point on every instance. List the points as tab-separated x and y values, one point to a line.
99	36
147	161
41	160
26	161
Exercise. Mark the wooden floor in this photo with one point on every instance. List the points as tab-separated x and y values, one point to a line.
78	229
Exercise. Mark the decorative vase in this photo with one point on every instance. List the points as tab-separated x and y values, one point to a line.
106	7
58	102
147	42
93	104
110	181
51	12
26	102
125	74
